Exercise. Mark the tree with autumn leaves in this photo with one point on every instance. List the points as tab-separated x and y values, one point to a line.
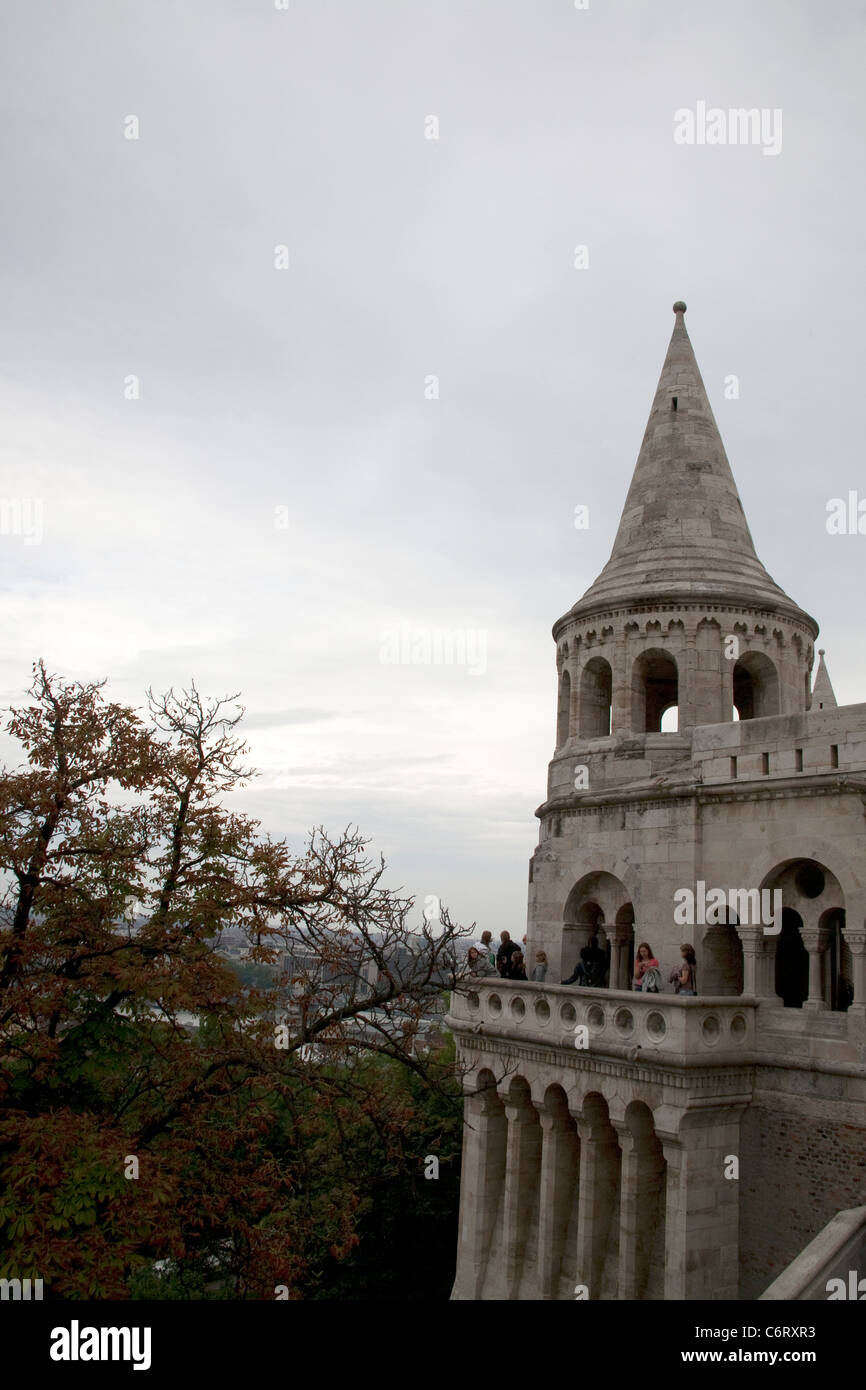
142	1157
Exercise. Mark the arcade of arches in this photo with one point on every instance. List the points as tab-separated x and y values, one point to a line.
585	1196
586	705
802	961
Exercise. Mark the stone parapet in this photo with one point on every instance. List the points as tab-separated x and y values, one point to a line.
665	1029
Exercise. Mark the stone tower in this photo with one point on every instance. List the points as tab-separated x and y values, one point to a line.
621	1144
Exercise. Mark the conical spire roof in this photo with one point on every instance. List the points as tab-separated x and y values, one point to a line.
683	533
823	695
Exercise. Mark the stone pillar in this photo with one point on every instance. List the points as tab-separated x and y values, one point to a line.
481	1180
599	1177
687	679
573	670
560	1156
619	977
642	1168
855	939
754	973
766	968
816	941
522	1163
702	1206
620	712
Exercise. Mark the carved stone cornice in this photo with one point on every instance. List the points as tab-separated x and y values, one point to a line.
717	1081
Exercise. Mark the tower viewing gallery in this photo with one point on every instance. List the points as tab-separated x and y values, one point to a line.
622	1144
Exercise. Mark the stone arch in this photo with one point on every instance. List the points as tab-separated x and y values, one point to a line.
654	688
481	1080
756	686
722	957
807	884
516	1088
563	712
811	892
593	908
594	703
555	1099
777	856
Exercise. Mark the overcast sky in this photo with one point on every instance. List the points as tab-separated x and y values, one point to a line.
287	496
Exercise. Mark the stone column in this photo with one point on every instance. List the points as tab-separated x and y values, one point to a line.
751	940
560	1156
702	1206
642	1167
620	712
855	939
482	1175
599	1177
687	692
816	941
619	957
522	1163
766	968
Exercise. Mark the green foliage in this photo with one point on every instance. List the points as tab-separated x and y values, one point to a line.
406	1222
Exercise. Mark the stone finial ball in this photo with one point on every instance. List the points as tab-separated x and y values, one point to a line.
821	651
679	307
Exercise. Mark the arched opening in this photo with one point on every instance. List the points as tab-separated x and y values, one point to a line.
722	958
756	686
584	923
792	962
654	688
671	720
802	882
563	713
595	903
596	685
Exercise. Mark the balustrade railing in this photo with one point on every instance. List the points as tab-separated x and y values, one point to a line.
664	1025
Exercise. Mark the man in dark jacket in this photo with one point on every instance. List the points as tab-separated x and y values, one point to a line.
590	968
503	955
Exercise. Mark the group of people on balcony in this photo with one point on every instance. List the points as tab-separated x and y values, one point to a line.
591	969
508	961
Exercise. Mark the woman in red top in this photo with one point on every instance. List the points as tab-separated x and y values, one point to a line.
644	960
